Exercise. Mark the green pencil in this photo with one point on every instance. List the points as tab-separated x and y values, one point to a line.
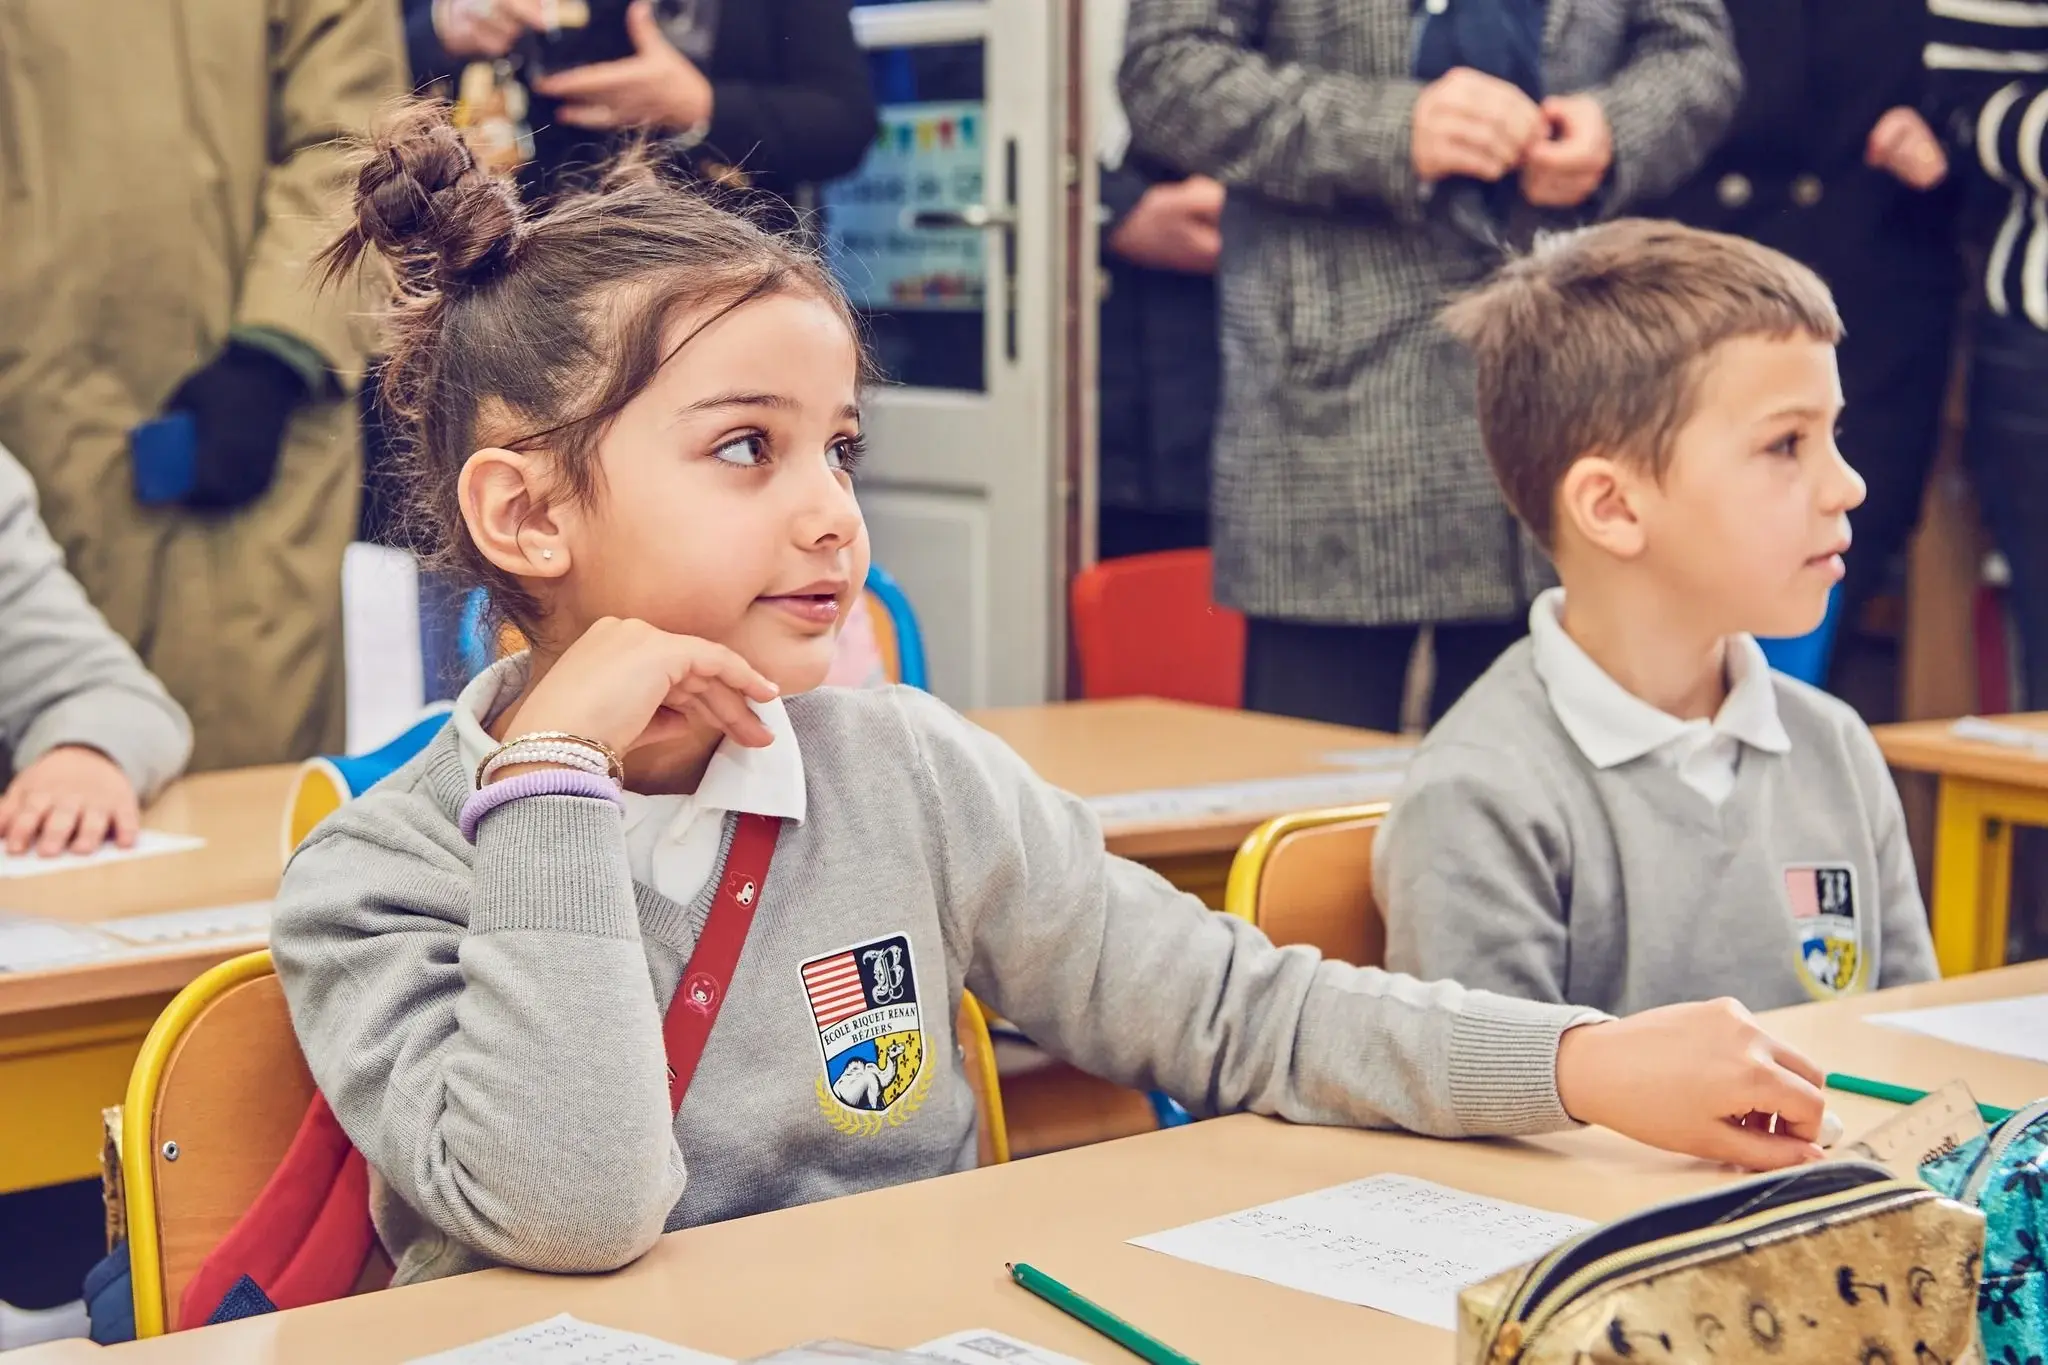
1900	1094
1100	1318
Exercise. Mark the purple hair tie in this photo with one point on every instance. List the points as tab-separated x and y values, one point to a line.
549	782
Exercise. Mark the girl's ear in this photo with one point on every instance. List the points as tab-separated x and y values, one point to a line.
504	499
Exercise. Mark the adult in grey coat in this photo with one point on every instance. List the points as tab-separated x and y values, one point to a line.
1351	501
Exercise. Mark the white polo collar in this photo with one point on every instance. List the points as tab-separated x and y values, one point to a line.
767	781
1612	726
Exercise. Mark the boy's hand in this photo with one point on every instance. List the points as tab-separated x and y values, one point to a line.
1175	225
657	87
1468	123
1564	169
71	800
1902	144
627	684
1703	1079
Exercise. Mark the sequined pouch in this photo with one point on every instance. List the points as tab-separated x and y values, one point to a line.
1835	1262
2005	1174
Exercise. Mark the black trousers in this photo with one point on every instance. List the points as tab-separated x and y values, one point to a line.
1358	675
2007	447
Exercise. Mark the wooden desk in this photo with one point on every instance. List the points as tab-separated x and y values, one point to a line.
1104	748
901	1266
69	1035
1985	789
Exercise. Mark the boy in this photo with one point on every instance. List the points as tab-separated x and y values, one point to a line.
1630	809
86	733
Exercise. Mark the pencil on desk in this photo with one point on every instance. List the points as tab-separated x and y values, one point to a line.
1138	1343
1900	1094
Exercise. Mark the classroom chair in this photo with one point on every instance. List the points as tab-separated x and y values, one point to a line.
217	1095
1307	878
1148	626
324	784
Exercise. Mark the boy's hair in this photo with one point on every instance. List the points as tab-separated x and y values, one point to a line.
1593	343
532	329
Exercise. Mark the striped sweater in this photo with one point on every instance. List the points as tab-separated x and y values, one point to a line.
1987	63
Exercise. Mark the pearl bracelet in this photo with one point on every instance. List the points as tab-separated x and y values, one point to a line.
562	750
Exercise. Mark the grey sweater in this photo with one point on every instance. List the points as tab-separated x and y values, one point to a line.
486	1020
1511	863
65	676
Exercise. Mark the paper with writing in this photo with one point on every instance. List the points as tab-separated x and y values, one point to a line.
1266	796
149	844
2017	1027
1390	1242
250	919
980	1346
567	1340
34	945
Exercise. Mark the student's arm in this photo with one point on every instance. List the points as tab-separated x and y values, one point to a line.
505	1075
817	120
333	63
65	677
1905	944
1106	965
1983	82
1471	874
1202	97
1668	106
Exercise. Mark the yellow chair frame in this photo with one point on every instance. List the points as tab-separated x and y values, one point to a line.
1244	893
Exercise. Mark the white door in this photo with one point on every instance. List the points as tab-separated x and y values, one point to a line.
949	240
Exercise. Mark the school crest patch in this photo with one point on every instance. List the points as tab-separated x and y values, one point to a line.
871	1037
1826	927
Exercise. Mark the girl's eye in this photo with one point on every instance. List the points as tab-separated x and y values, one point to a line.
846	453
1787	445
748	452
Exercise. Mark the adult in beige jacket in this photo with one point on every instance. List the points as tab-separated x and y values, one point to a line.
167	170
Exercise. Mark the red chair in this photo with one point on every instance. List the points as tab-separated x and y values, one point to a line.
1147	626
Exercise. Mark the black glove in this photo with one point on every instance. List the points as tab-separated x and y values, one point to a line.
241	402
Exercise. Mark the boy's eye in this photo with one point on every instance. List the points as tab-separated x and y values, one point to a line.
746	451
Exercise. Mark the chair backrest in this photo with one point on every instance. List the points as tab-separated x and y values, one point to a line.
1307	878
218	1091
323	785
215	1098
1148	626
906	637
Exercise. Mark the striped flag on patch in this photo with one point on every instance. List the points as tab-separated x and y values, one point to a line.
1802	888
834	985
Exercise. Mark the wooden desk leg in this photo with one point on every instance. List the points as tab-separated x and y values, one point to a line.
1960	858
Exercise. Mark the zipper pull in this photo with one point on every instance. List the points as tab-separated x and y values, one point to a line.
1507	1344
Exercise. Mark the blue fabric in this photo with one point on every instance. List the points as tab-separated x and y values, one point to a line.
245	1300
909	639
109	1294
1806	657
2012	1304
1500	38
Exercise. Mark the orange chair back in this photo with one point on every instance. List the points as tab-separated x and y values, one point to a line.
1148	626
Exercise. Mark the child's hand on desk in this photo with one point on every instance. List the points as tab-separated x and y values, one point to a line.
626	684
1701	1079
72	799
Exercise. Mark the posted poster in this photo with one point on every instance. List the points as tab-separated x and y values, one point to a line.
927	157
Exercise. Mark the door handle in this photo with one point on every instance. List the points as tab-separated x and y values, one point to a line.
972	216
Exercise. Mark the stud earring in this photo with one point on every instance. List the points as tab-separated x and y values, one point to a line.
547	554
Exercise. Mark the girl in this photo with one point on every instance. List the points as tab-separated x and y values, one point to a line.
637	419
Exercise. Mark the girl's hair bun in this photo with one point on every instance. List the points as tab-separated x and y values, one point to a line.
423	203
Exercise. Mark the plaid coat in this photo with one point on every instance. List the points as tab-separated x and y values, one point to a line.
1349	485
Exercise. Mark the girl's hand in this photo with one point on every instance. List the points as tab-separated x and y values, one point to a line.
1903	144
69	801
627	684
1702	1079
656	87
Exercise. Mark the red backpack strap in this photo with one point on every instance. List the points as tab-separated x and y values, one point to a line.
307	1234
709	973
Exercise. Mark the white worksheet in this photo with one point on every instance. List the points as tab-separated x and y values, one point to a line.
980	1346
1260	797
2017	1027
1389	1242
34	945
566	1340
149	844
177	928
